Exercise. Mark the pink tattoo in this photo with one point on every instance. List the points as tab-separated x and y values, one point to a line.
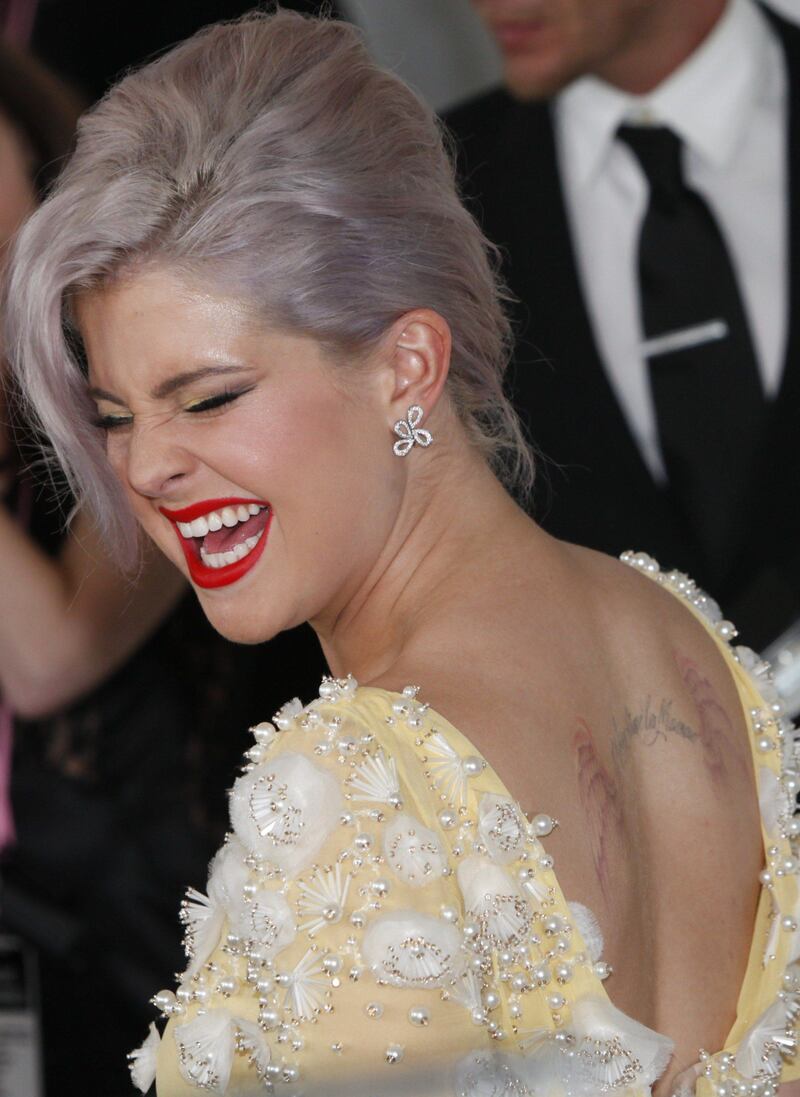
714	727
601	803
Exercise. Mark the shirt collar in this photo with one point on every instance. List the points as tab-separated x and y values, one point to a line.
723	76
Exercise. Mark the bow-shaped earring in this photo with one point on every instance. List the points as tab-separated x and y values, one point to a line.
409	434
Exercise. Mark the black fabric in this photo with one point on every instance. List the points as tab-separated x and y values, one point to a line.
593	486
707	393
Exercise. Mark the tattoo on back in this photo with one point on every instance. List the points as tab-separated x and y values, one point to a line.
653	723
602	806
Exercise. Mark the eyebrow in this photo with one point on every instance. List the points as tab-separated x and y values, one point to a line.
172	384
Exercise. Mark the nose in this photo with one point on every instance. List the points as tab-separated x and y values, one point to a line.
154	463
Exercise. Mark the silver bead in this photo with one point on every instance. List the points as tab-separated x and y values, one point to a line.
394	1053
419	1015
543	825
337	1047
447	819
374	1010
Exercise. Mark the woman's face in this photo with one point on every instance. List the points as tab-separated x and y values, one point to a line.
266	477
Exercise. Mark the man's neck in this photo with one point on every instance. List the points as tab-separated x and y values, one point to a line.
667	36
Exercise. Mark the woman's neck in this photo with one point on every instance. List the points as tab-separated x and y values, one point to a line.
457	531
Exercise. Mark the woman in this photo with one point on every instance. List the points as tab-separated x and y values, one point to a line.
255	316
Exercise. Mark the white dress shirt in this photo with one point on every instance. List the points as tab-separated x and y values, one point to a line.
728	104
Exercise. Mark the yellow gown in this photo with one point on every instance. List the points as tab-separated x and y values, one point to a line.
384	920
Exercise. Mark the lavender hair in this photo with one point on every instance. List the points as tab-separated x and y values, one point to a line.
271	155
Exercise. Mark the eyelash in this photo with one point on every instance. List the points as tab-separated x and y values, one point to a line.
211	403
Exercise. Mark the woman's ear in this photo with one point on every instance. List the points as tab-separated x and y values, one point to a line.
418	360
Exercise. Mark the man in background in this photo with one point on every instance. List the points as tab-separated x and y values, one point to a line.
640	173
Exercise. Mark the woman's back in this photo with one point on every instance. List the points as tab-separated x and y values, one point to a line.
612	710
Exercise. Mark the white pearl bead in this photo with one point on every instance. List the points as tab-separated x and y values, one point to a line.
449	914
447	819
556	1001
543	825
546	861
419	1015
256	754
519	983
563	972
471	929
332	964
374	1010
602	970
228	985
363	842
269	1018
491	999
473	765
265	984
380	887
290	1074
788	923
541	974
164	1000
394	1053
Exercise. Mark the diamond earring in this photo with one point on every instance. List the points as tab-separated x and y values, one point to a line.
409	433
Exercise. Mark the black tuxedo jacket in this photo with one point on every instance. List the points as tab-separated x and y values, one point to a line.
593	486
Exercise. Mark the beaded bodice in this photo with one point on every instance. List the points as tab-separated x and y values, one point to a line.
384	919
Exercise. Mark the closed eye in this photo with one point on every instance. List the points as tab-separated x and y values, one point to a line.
112	422
218	401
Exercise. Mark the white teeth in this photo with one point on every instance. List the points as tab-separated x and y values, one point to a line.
216	519
222	559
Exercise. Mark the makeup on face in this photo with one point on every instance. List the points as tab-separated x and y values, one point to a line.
221	539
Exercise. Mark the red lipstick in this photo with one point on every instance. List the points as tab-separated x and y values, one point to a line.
202	575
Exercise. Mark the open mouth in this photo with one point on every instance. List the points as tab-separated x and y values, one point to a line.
221	538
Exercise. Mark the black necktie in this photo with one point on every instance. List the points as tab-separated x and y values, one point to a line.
701	360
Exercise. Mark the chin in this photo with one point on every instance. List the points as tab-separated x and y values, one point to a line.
237	627
531	79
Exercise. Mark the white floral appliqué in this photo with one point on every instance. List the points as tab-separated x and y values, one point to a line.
409	949
414	851
285	809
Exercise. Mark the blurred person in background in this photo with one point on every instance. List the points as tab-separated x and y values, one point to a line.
640	170
108	694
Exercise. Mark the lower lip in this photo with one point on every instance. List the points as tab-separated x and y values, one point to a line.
213	578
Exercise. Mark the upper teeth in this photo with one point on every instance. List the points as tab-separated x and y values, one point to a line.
216	519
